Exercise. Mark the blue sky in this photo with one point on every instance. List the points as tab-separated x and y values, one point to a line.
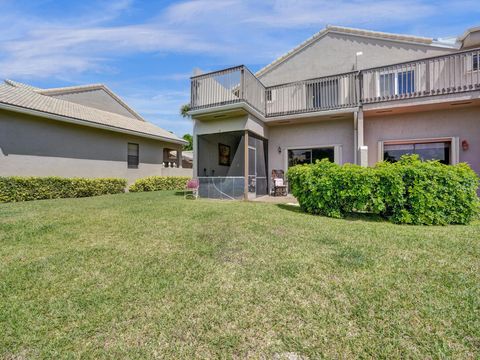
146	51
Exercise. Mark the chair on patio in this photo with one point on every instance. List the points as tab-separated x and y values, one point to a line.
279	187
191	189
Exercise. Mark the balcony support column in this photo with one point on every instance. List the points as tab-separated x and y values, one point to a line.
361	151
245	188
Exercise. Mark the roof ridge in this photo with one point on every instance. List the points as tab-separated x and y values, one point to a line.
18	84
348	30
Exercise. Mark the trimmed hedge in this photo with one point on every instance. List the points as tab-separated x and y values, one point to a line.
406	192
15	188
156	183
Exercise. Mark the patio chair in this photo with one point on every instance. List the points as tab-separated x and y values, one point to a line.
279	187
191	189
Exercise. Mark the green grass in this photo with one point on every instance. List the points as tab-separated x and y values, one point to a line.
153	275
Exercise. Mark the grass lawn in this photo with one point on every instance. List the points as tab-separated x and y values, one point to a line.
153	275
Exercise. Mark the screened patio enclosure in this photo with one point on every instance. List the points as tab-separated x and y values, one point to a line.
232	165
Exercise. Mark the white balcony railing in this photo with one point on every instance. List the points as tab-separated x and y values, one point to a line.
446	74
453	73
227	86
325	93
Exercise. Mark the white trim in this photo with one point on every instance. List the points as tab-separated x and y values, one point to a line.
67	119
454	146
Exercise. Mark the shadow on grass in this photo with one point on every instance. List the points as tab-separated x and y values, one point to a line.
350	217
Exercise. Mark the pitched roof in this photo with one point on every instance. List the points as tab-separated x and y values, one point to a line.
89	87
21	85
18	98
358	32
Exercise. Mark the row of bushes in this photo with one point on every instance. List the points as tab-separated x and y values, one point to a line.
156	183
13	189
409	191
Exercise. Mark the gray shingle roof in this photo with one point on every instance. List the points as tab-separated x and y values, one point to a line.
25	97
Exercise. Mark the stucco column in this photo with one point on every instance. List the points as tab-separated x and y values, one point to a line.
245	141
166	155
195	149
179	158
360	149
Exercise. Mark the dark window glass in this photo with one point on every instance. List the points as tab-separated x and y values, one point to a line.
308	156
323	153
476	59
406	83
299	157
427	151
133	156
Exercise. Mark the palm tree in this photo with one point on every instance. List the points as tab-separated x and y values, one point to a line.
184	109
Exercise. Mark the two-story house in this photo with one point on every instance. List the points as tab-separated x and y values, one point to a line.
350	95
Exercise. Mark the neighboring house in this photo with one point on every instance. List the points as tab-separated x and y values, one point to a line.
80	131
187	159
349	95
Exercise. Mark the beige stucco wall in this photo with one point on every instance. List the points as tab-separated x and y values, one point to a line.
463	123
98	99
335	53
315	134
32	146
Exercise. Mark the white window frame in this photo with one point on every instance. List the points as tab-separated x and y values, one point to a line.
454	146
395	72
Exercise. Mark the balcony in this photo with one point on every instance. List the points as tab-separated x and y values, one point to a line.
447	74
441	75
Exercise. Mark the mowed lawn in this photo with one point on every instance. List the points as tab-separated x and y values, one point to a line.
152	275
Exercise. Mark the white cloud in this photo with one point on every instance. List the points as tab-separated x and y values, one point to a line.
231	30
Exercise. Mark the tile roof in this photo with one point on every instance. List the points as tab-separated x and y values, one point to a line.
23	97
352	31
89	87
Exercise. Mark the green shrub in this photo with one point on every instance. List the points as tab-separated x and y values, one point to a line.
428	192
408	192
15	188
156	183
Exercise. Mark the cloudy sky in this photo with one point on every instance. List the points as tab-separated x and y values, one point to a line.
145	51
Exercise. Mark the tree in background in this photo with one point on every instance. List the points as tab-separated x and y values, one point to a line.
184	109
188	138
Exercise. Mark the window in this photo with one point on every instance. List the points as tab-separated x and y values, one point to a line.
132	157
406	83
322	94
476	60
397	83
309	156
268	95
387	84
426	150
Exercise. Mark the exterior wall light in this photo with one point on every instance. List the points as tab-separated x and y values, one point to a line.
465	145
279	150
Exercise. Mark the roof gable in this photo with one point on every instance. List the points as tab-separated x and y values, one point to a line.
406	39
79	94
